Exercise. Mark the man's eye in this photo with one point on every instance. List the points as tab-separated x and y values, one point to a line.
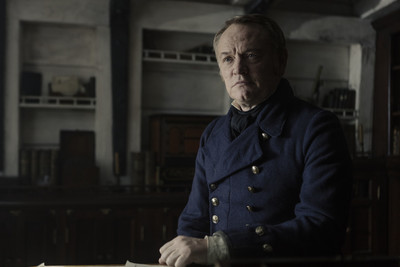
252	55
227	59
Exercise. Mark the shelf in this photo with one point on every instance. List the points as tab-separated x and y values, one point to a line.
178	57
17	187
57	102
52	66
345	114
396	114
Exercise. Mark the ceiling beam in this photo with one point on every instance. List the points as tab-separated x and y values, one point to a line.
240	2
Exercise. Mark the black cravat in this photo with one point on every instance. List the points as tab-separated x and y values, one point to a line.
242	119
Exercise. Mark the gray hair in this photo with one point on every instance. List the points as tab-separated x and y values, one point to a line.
269	25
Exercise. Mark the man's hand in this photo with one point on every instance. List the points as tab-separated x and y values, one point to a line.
184	250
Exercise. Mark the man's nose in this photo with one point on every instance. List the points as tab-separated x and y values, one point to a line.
240	66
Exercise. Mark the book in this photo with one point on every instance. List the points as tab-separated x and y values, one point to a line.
38	165
340	98
54	166
138	168
24	163
396	141
44	167
34	164
30	83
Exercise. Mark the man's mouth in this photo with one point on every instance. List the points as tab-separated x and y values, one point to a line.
239	83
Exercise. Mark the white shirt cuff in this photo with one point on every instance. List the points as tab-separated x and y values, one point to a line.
217	248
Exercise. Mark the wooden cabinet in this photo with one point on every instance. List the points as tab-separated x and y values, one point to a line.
98	235
367	231
393	166
101	228
154	227
111	225
386	130
27	236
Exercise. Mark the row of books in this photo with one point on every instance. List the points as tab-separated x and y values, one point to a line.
340	98
143	169
39	166
396	141
145	173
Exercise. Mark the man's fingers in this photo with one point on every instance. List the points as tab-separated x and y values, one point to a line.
172	259
166	254
182	251
166	246
161	261
182	261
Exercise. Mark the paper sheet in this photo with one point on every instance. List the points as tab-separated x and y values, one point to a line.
127	264
131	264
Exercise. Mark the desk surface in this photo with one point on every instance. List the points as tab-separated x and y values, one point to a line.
339	261
128	264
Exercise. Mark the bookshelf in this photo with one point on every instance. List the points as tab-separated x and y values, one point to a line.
178	57
385	142
178	68
386	132
395	95
57	92
57	102
179	75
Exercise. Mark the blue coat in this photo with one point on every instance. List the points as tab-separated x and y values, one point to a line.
281	188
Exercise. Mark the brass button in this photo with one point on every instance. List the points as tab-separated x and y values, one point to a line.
255	169
250	208
251	189
260	230
215	201
267	248
213	186
215	219
265	136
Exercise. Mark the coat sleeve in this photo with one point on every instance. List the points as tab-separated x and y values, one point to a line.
194	219
320	216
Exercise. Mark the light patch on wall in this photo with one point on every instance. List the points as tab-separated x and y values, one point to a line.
46	43
378	5
329	29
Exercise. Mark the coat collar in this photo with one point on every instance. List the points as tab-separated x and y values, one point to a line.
227	155
272	118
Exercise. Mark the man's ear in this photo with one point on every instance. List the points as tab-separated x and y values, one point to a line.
282	62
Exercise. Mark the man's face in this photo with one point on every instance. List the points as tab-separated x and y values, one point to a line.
249	64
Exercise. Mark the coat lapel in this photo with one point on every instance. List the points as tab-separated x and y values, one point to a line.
237	154
229	156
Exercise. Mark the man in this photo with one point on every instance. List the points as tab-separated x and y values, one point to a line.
273	176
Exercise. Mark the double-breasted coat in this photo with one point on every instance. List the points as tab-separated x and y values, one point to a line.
281	188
